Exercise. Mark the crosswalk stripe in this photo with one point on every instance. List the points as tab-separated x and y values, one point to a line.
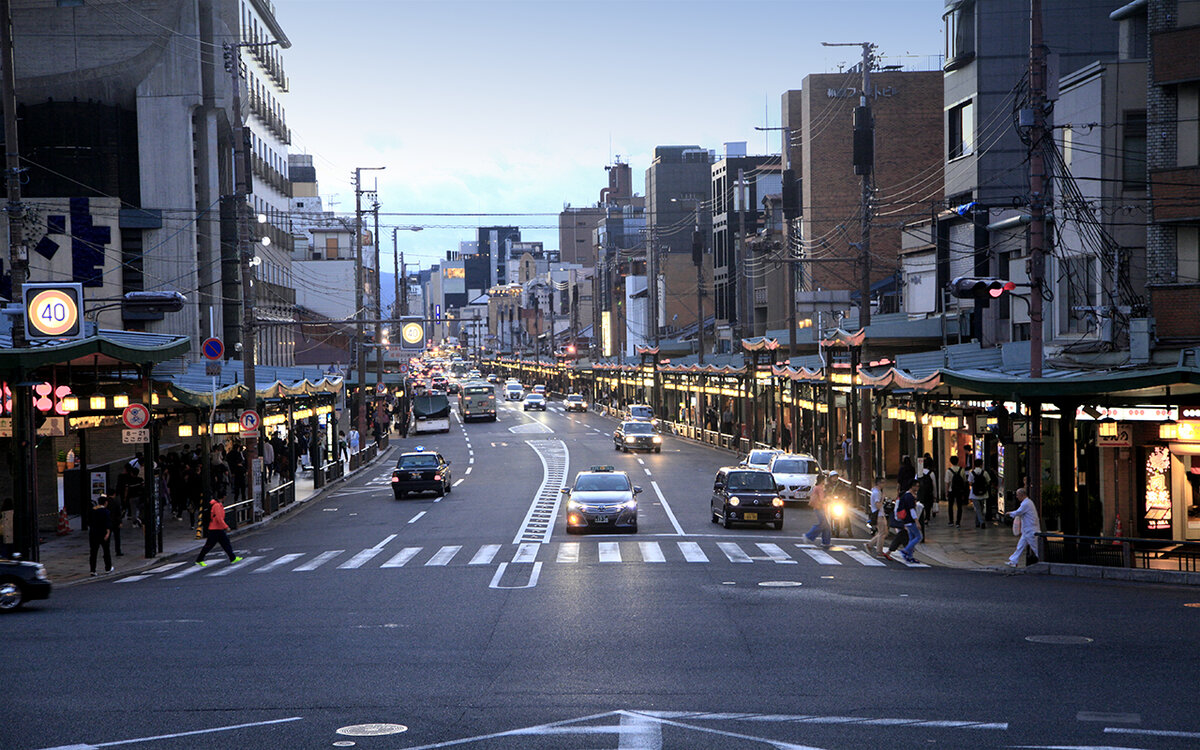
526	553
318	561
401	557
360	559
568	552
821	556
280	562
485	554
651	552
865	558
900	559
610	552
164	568
444	555
776	553
189	570
692	552
734	552
134	579
236	566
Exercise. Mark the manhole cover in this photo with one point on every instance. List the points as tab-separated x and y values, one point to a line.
1061	640
778	584
372	730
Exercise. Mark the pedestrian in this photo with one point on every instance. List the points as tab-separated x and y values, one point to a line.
354	440
99	534
981	485
925	496
927	462
785	439
218	472
906	513
237	472
906	474
879	519
847	449
955	482
342	452
129	492
116	515
727	420
268	458
816	501
216	531
1025	524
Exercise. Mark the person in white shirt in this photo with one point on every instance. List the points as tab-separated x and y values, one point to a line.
354	440
878	513
1026	515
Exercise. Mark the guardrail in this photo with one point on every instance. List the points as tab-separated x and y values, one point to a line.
1119	552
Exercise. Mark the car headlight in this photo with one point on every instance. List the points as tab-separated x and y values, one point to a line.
40	573
631	504
734	501
574	505
657	439
630	439
777	502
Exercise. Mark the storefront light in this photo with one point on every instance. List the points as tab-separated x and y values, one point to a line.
185	430
219	428
70	404
120	401
97	402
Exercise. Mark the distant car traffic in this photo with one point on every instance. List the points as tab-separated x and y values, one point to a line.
513	392
632	435
640	413
575	402
795	475
534	401
540	388
421	471
493	378
601	498
21	582
745	495
760	458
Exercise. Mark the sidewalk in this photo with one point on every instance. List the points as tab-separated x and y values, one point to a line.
66	557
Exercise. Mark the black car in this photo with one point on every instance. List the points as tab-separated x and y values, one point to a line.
602	498
630	436
421	471
534	401
21	582
745	495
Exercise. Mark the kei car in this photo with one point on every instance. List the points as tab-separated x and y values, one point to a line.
744	495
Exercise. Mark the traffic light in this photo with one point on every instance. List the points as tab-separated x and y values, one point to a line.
982	290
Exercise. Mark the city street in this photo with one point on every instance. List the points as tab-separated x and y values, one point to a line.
474	620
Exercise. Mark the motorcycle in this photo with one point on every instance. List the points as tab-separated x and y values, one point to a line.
837	508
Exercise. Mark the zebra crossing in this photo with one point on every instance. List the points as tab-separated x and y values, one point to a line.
644	552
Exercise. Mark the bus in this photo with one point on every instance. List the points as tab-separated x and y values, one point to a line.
431	413
477	400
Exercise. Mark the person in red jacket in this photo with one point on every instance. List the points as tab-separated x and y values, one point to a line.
216	532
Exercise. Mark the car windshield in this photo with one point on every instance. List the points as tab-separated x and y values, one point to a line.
759	457
418	462
601	483
638	428
750	480
642	412
533	397
574	398
513	387
795	466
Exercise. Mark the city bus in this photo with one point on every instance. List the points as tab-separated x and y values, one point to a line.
477	400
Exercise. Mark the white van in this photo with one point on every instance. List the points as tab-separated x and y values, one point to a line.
513	392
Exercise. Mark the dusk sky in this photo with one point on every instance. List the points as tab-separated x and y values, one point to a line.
516	107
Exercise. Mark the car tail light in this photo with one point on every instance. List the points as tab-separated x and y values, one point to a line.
395	478
437	477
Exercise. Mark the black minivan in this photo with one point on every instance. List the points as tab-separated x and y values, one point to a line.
743	495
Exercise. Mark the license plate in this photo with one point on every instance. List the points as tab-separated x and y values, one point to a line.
600	519
751	516
415	475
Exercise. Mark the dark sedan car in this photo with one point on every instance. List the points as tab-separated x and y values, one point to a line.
21	582
601	499
421	471
744	495
630	436
534	401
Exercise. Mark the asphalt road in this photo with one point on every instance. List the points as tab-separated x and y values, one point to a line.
476	621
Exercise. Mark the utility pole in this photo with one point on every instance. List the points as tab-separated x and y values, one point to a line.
360	367
398	258
377	286
740	275
698	261
1037	237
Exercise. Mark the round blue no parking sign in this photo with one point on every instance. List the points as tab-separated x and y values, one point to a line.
212	348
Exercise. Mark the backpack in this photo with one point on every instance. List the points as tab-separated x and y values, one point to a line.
958	485
979	484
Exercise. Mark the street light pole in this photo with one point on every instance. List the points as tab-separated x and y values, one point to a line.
378	301
360	367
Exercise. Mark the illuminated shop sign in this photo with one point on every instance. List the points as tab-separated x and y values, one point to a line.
1158	489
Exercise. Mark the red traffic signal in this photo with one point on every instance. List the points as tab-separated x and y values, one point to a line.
980	289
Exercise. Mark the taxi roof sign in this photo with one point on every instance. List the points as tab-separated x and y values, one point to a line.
602	468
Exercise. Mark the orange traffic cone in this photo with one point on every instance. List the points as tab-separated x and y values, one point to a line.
64	526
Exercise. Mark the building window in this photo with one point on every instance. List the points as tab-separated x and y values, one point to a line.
960	35
1133	151
1076	294
960	134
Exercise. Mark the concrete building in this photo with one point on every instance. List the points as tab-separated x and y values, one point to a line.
146	119
494	246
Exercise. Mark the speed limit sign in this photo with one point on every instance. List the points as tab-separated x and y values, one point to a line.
53	311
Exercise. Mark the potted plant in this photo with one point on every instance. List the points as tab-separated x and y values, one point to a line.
62	461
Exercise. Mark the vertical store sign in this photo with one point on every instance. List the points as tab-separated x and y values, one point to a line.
1158	489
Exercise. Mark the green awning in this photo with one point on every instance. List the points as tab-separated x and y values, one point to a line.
1127	385
129	347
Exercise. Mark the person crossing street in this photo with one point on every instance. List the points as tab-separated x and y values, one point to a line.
216	531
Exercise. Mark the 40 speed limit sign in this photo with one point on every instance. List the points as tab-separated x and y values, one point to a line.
53	311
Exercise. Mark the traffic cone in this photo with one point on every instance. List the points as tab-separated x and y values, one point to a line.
64	526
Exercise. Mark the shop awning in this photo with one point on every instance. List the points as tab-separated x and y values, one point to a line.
1119	385
103	349
194	386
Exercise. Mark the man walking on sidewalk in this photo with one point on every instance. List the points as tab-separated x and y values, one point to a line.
99	532
1025	522
215	532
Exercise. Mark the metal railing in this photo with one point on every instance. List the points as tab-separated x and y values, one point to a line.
1119	552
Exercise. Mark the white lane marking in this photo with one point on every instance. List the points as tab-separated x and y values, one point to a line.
1151	732
318	561
692	552
178	734
360	559
776	553
734	552
642	462
534	572
470	460
134	579
809	719
385	541
456	483
1104	716
485	555
820	556
190	570
279	563
568	552
444	555
667	507
865	558
651	552
470	453
538	524
639	732
647	471
416	518
164	568
236	566
526	553
610	552
401	557
468	471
